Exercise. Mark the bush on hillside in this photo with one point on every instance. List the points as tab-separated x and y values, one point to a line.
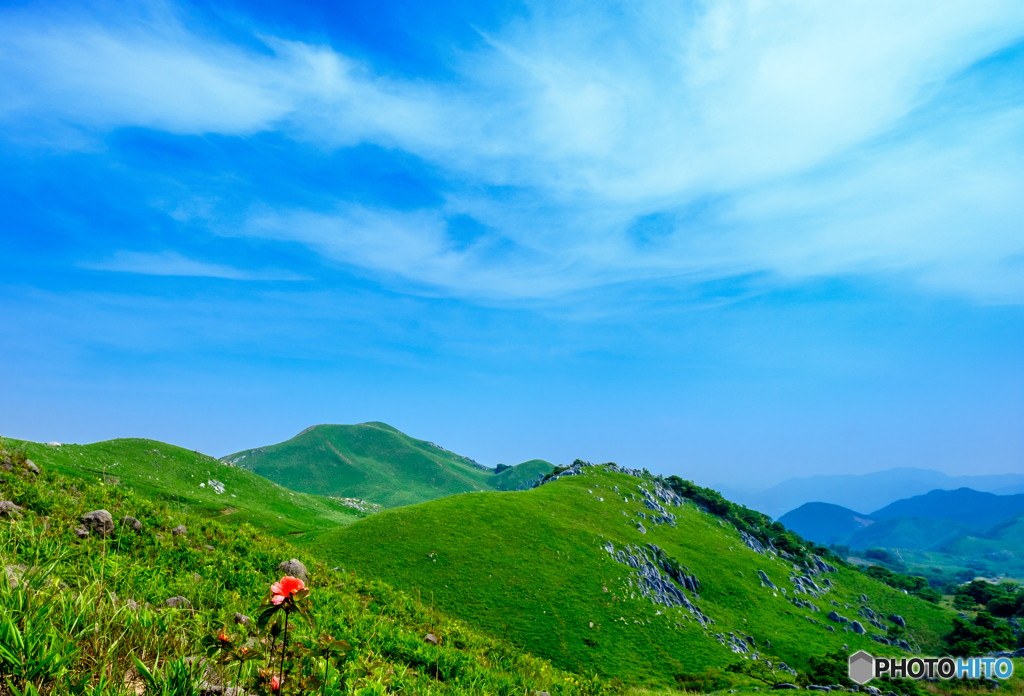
913	584
828	669
1003	599
978	637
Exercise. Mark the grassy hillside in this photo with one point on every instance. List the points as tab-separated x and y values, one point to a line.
374	462
532	566
75	613
193	482
520	475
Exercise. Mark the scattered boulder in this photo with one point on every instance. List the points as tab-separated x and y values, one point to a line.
178	603
197	578
159	536
242	620
430	638
81	532
834	616
898	620
785	686
9	509
132	605
131	522
293	567
98	521
180	530
207	547
30	465
864	598
14	574
857	627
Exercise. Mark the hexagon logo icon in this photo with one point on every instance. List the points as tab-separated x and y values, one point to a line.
862	667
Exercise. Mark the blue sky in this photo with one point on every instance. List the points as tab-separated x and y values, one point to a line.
738	241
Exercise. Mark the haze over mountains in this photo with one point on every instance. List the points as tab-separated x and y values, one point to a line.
963	508
868	491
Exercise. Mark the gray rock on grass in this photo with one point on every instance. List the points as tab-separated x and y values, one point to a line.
294	568
9	509
180	530
131	522
430	638
178	602
99	521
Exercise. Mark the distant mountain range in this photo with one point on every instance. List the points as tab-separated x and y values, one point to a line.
964	523
869	491
378	463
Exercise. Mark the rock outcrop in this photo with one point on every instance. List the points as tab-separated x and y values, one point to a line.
648	579
98	521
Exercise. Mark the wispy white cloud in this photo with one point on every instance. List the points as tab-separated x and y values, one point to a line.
171	263
821	131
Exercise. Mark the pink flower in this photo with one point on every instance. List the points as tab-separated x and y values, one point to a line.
285	587
275	683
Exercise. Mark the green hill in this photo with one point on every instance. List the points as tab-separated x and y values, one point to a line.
194	482
521	475
375	462
78	615
590	571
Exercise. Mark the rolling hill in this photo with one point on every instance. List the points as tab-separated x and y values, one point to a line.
80	615
606	570
194	482
376	462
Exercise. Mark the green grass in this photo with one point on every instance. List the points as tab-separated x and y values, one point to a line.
71	606
528	566
375	462
182	478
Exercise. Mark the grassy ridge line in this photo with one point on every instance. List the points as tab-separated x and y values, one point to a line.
372	461
221	570
174	474
530	566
